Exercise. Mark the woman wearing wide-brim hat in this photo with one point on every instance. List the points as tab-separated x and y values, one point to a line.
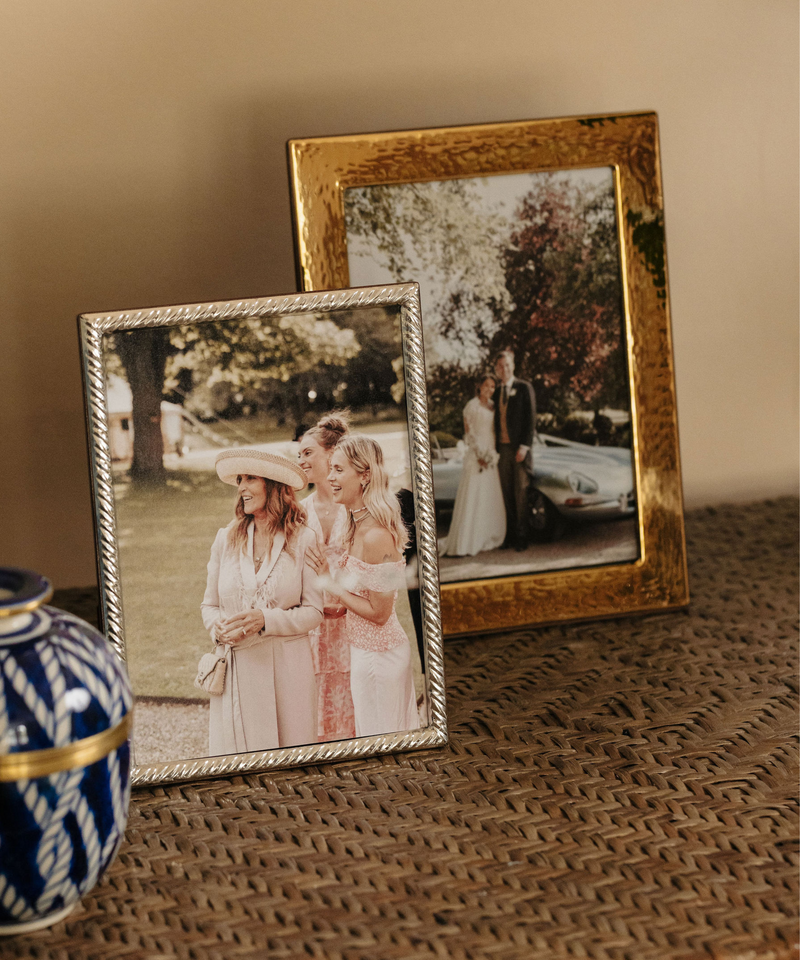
262	599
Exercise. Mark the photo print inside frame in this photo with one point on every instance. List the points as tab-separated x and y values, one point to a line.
525	347
263	520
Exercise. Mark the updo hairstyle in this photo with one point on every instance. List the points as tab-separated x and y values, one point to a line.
330	429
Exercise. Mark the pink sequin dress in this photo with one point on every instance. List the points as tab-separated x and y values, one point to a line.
381	676
330	646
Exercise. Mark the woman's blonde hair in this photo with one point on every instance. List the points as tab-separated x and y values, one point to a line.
330	429
284	515
366	456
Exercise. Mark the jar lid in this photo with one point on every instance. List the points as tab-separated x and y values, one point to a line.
65	696
22	591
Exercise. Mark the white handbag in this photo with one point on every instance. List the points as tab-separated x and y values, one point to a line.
212	669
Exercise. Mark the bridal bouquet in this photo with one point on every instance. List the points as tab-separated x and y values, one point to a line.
487	458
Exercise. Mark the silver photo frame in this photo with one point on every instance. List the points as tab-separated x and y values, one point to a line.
165	389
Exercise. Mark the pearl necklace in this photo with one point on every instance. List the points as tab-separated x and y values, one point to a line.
360	510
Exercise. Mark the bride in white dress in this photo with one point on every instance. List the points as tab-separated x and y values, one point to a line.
479	515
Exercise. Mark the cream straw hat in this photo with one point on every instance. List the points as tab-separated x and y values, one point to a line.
244	461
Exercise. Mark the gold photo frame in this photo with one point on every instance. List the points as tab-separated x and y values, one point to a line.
358	196
161	491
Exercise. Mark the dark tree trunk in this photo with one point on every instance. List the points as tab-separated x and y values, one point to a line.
144	356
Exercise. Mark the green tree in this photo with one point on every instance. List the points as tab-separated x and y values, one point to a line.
545	283
444	234
144	354
248	353
373	376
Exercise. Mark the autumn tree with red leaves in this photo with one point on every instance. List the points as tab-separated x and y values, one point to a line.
562	273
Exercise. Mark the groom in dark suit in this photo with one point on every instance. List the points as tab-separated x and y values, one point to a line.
514	427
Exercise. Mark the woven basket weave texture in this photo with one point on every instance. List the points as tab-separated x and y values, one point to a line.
622	790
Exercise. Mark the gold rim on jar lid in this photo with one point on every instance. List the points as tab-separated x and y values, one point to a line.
22	591
30	764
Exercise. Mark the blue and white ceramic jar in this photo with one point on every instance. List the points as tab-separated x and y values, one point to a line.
65	711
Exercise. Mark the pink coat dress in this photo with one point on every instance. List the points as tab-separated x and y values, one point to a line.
270	694
329	644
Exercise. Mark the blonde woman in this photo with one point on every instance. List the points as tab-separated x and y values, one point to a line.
262	600
328	519
381	678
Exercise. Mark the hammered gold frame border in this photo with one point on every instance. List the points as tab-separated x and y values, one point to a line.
92	328
322	168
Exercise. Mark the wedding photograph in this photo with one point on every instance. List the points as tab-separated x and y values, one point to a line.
526	361
266	532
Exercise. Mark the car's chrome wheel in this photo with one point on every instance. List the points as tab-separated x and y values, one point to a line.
542	516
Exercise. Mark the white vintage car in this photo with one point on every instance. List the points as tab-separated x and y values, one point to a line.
571	481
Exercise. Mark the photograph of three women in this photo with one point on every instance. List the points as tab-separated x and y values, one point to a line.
266	533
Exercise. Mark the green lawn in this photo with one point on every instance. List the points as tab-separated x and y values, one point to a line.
164	543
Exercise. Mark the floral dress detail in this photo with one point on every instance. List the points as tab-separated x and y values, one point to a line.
329	644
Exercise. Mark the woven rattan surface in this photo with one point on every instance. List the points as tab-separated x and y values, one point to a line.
625	789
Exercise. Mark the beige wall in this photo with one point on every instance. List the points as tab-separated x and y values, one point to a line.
142	162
